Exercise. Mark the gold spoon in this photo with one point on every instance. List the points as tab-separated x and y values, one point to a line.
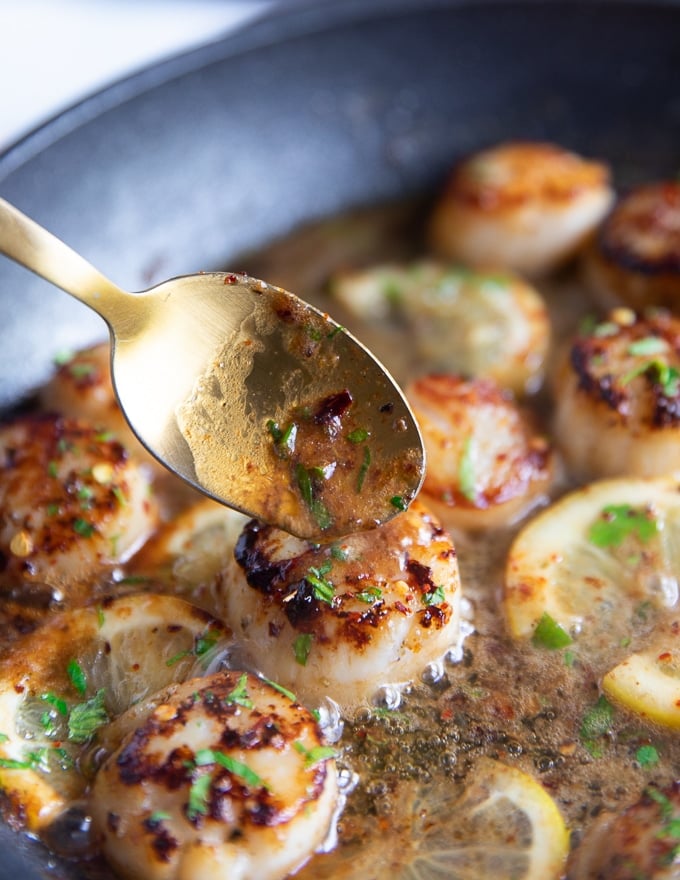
245	391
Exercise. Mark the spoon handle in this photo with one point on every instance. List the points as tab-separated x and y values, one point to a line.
26	242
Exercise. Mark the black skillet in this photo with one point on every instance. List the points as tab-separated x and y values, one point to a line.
315	109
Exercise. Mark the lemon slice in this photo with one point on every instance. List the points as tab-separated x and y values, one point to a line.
63	685
504	826
590	559
474	322
189	552
648	683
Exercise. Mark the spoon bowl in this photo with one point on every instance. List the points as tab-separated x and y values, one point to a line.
251	395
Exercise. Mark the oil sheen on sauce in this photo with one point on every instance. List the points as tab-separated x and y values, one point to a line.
262	415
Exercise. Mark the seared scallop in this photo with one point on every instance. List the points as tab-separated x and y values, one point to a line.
72	504
635	258
521	205
475	322
64	686
343	619
640	842
618	397
225	776
485	464
82	388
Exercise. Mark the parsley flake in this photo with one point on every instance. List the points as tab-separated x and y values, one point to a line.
77	676
314	755
324	591
281	689
198	797
239	695
466	470
434	597
301	648
647	756
550	634
86	718
205	757
648	345
617	522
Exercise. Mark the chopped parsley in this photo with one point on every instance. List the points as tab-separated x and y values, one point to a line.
369	595
596	723
239	695
237	768
398	502
83	528
648	345
324	591
86	718
363	468
667	377
434	597
605	328
316	507
670	828
198	797
314	755
466	470
202	645
281	689
358	435
301	647
77	676
647	756
158	816
617	522
550	634
55	701
33	761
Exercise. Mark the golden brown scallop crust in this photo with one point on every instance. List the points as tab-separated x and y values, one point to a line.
541	172
71	503
291	584
635	386
486	462
641	841
635	258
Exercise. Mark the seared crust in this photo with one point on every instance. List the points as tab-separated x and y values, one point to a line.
604	363
635	258
618	397
520	205
518	172
638	842
485	463
225	771
71	504
373	609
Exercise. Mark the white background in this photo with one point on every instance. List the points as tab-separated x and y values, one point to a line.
55	52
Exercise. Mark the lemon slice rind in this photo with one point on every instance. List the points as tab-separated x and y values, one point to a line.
545	545
641	685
